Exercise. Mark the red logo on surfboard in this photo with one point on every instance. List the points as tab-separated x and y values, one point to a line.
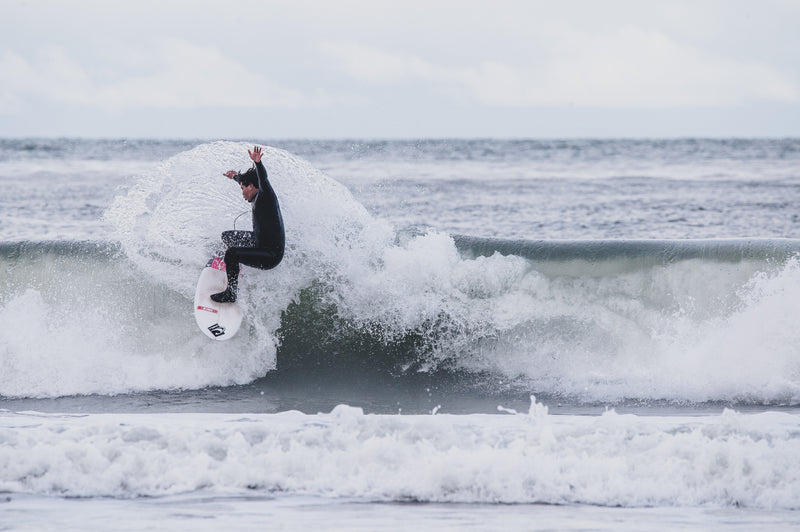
207	309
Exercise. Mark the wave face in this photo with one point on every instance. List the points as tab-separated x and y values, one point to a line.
588	321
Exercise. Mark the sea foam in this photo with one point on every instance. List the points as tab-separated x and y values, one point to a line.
732	459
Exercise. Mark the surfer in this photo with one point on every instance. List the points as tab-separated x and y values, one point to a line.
263	247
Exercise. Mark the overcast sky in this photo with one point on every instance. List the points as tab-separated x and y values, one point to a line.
399	69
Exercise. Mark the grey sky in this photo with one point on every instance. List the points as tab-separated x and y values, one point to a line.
345	68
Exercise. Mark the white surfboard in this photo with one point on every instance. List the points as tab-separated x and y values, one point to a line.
218	321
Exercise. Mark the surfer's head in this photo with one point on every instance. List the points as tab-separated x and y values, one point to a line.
249	182
249	177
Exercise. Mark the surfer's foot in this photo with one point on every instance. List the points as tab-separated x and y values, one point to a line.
228	296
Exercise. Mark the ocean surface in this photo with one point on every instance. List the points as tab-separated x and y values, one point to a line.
463	334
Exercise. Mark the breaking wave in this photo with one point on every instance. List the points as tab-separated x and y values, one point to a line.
676	320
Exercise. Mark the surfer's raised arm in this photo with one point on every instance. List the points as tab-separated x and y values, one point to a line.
261	172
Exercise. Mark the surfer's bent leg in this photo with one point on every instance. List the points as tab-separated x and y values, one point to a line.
264	259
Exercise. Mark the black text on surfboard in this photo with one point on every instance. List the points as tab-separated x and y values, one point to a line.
217	329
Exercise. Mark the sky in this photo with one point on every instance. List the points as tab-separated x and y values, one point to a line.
274	69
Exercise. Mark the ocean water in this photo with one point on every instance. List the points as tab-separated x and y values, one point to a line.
486	334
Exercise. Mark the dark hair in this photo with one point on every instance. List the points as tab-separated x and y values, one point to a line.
250	177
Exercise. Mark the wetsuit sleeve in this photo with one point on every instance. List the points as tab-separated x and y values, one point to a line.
263	182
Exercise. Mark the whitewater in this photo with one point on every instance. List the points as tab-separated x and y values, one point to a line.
504	334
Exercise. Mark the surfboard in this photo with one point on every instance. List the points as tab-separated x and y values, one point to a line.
218	321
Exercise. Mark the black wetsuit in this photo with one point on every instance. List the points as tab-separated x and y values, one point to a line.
263	248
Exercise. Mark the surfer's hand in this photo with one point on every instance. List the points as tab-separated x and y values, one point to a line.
230	174
255	154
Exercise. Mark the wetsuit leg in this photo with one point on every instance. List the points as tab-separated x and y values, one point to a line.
261	258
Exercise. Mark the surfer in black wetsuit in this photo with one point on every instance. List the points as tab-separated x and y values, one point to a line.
263	247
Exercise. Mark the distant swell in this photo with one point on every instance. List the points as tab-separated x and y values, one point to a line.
634	253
